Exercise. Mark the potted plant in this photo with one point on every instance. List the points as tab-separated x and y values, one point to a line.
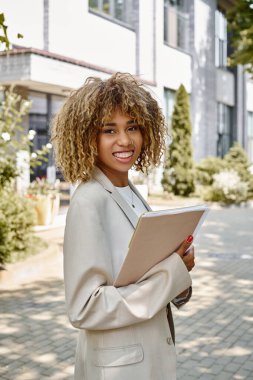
46	199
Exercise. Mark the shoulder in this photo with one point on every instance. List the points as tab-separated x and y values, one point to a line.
89	196
90	191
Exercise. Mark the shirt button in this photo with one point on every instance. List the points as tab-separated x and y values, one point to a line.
169	341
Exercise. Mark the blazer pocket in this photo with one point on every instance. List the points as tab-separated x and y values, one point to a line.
118	356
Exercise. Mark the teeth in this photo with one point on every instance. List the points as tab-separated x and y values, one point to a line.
123	154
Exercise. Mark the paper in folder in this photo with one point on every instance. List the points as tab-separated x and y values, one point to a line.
157	235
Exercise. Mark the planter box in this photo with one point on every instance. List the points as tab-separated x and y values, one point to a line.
47	207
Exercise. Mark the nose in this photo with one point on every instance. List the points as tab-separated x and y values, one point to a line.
124	139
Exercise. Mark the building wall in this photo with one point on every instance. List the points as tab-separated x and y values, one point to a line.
77	33
146	34
203	81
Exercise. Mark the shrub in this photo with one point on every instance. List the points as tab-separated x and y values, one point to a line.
206	168
234	165
16	220
237	159
250	187
8	171
16	214
178	174
228	188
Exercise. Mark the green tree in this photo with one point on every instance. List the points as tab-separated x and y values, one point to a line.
240	24
178	175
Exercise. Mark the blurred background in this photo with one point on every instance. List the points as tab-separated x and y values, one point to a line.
164	42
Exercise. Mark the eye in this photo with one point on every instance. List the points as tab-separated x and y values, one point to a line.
108	131
133	128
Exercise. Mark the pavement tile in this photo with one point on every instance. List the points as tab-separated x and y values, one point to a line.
223	376
216	369
243	375
241	359
208	376
232	367
249	366
181	373
207	362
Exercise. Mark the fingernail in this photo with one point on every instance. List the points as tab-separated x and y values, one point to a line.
189	239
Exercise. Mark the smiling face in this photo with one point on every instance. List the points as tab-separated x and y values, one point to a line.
119	145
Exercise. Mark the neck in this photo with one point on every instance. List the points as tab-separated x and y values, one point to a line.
116	179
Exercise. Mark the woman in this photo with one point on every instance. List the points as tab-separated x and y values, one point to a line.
105	128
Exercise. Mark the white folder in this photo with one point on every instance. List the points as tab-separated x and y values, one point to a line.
157	235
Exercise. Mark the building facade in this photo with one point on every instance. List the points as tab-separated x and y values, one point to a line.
164	42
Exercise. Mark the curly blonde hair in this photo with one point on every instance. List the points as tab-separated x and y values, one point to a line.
75	128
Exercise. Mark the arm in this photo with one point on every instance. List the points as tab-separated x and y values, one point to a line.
92	302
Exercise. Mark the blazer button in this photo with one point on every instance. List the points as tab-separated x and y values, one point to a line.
169	341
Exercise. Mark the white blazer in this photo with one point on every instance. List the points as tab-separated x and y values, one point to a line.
124	332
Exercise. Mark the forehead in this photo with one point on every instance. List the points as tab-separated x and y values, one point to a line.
118	116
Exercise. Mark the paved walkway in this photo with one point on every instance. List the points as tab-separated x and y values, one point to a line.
214	331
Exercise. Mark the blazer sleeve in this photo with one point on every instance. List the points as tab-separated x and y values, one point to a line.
92	302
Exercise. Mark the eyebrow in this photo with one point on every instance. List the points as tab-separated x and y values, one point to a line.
111	124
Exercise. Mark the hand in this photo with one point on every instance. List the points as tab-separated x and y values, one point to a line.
186	252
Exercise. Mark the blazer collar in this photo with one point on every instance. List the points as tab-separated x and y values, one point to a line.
100	177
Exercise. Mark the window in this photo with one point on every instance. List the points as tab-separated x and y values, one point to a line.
220	39
176	21
169	102
250	136
115	9
224	128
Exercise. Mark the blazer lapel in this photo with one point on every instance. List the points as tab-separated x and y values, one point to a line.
100	177
140	196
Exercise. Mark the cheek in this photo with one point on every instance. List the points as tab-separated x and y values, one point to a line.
140	141
100	147
103	147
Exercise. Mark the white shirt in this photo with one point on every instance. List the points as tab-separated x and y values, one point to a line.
132	199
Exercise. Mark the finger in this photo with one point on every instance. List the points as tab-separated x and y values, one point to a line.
189	261
190	251
190	265
185	245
